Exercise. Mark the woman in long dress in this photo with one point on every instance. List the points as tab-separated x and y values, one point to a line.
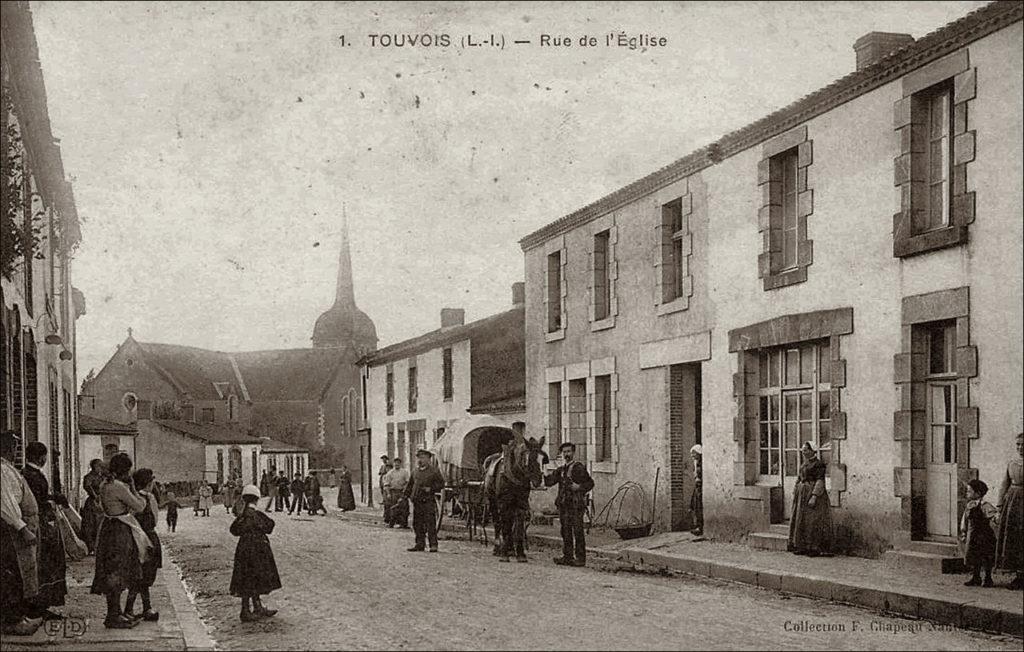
121	545
346	501
1010	539
205	498
810	530
255	572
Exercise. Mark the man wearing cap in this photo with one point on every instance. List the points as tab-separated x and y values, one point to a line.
573	485
425	482
385	467
395	482
19	526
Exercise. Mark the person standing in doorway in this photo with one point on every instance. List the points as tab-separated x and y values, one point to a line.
574	483
426	481
697	499
810	530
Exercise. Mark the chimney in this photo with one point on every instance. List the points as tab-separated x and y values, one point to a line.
875	46
518	293
452	317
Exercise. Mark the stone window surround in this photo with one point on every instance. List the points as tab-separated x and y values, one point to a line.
389	389
909	421
680	191
588	371
955	66
605	223
770	211
552	246
746	342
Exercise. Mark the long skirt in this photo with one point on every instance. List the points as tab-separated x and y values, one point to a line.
154	562
91	517
1010	538
117	559
52	566
255	571
810	529
346	501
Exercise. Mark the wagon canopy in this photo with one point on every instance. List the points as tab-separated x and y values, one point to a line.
461	450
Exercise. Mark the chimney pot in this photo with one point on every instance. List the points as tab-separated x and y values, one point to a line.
452	317
518	293
875	46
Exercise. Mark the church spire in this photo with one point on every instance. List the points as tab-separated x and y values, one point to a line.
345	294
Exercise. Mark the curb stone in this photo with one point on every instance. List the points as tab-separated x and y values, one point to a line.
193	631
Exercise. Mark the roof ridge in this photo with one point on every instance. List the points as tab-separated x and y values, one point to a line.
939	42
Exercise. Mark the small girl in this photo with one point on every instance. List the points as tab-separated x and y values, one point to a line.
977	535
172	506
255	572
147	521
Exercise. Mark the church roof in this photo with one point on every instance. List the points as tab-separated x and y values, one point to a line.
275	446
273	375
88	425
210	433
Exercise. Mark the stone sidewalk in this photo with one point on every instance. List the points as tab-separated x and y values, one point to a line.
867	583
179	627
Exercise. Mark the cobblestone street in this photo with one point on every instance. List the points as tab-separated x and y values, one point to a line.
350	585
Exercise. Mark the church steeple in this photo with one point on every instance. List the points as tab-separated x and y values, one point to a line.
345	324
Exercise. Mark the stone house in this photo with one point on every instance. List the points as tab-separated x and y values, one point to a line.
846	270
40	233
99	439
417	388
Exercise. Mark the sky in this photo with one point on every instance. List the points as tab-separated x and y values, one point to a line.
213	147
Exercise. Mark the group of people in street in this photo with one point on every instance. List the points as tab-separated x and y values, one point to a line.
298	494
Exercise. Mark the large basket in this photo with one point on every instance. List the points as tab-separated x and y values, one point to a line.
634	531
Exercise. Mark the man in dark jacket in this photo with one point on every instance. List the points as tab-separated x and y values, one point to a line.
283	486
426	481
298	495
51	561
573	485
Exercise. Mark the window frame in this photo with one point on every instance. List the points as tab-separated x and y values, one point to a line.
447	374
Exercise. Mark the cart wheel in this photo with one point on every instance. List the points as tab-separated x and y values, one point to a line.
439	510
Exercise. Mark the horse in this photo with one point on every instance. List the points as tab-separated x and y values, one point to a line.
508	477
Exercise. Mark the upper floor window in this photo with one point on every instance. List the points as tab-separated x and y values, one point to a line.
208	415
554	291
931	209
447	374
674	232
784	221
602	285
389	392
413	390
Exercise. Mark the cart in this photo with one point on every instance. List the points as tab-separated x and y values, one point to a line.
460	453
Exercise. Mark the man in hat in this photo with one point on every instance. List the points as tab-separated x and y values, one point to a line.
19	526
395	482
425	482
385	468
573	485
51	564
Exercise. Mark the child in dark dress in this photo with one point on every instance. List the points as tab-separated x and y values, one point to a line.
147	521
977	535
255	572
172	506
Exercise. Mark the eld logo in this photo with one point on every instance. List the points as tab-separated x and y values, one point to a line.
67	627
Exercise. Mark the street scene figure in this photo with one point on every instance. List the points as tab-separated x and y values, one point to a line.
396	501
171	505
976	534
283	490
574	483
228	494
314	499
205	498
382	472
51	556
266	482
697	498
143	479
298	489
91	511
1010	544
255	572
810	530
122	546
19	530
424	482
346	499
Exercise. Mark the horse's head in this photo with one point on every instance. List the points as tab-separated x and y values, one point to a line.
535	459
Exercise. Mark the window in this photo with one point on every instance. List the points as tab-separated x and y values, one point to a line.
188	412
413	390
784	221
930	210
674	233
389	392
794	405
208	415
602	418
255	467
554	416
554	291
145	409
220	465
577	414
391	441
343	423
602	285
447	372
400	451
941	393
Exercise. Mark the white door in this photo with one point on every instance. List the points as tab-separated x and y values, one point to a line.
940	452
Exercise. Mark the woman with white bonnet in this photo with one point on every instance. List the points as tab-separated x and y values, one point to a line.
697	499
810	530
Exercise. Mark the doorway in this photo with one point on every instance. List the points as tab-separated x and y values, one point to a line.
684	382
941	432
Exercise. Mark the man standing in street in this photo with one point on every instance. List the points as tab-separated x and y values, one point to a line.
282	493
51	564
265	484
426	481
385	468
298	495
19	525
573	485
396	482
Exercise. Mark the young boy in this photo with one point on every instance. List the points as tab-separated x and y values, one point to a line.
976	534
255	572
172	506
143	479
